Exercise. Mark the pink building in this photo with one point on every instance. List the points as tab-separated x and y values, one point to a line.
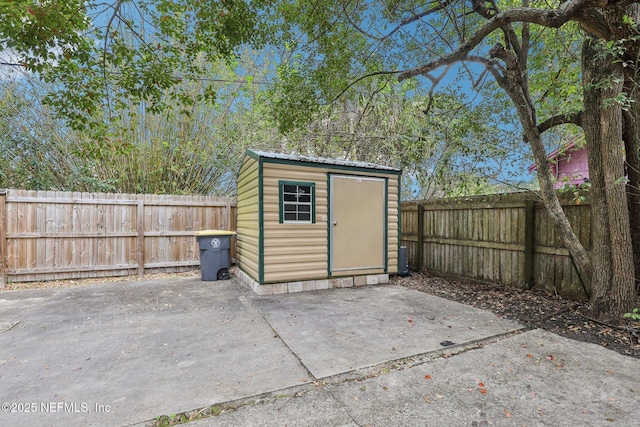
568	164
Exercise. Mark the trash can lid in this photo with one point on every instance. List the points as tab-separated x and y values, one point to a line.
215	233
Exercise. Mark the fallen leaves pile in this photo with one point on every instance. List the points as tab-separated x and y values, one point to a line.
534	309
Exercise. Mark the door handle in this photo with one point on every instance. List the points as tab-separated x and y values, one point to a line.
335	222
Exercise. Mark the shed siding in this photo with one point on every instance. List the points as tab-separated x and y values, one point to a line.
294	251
393	232
248	220
300	251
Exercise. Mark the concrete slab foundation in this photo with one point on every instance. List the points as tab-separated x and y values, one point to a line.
308	285
341	330
123	354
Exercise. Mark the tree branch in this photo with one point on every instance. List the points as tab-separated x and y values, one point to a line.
418	16
377	73
523	57
351	22
548	18
434	82
116	11
560	119
510	35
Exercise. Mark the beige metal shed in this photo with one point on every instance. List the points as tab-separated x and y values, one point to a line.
315	223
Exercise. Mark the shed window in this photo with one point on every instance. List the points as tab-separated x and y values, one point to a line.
297	202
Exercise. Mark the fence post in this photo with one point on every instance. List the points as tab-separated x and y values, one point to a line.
529	237
140	227
228	215
3	239
420	251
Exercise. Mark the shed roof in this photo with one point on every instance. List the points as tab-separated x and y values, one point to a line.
296	158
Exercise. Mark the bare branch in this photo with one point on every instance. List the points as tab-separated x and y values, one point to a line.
359	79
548	18
351	22
560	119
418	16
510	35
514	84
434	83
526	36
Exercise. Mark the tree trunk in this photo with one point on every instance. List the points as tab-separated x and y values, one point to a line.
578	253
631	138
513	84
612	284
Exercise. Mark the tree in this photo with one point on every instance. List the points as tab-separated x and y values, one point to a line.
182	150
36	150
100	56
437	152
509	43
198	151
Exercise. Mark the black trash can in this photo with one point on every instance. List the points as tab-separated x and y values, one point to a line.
403	262
215	253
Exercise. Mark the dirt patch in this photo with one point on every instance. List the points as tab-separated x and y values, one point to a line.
534	309
69	283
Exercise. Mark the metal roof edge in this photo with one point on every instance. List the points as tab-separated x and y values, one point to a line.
296	158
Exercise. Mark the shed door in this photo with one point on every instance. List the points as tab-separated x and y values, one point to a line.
357	223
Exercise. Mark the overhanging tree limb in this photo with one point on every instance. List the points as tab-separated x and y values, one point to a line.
505	65
560	119
567	11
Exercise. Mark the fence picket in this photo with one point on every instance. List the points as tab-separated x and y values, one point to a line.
65	235
507	239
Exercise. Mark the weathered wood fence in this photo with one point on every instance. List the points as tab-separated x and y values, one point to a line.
46	235
507	239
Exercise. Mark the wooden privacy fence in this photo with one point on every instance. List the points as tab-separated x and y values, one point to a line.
47	235
507	239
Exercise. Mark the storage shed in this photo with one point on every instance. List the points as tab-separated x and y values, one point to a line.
307	223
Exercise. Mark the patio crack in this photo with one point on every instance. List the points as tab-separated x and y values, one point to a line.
249	306
344	407
6	326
